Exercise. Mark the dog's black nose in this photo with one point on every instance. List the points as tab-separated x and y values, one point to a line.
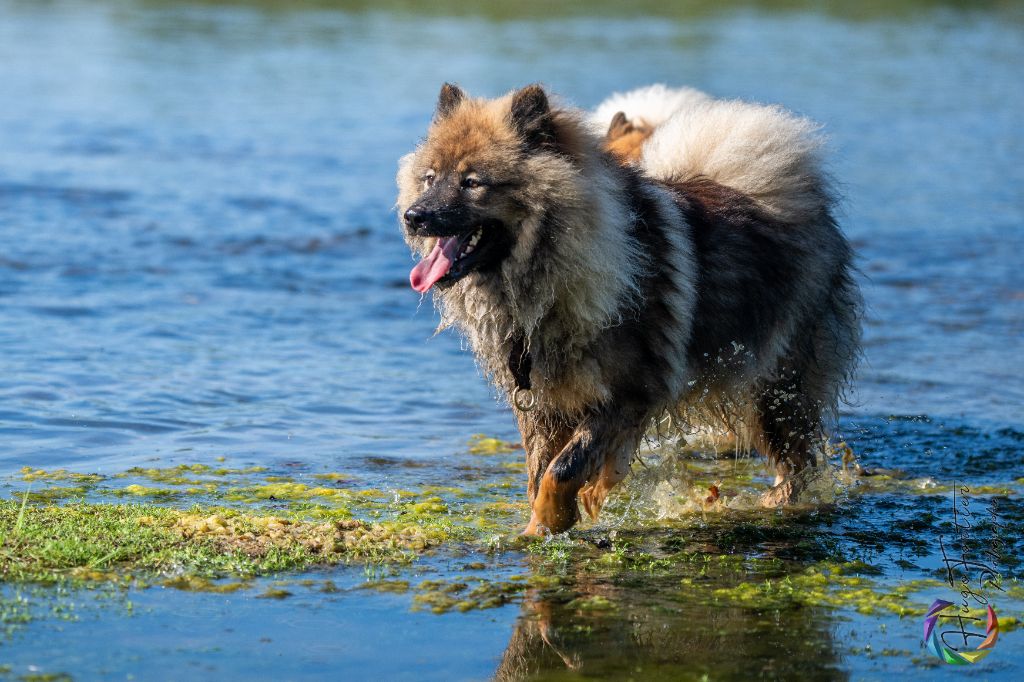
417	217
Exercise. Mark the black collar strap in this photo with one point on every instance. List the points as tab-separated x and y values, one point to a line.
520	363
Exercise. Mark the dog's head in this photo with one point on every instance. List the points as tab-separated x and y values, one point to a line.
471	195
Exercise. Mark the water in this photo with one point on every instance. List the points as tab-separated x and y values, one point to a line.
199	256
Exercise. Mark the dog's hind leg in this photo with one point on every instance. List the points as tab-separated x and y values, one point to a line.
594	460
788	432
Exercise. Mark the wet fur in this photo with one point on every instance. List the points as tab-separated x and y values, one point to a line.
708	281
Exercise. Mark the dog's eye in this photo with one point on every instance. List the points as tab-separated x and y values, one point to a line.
428	178
471	183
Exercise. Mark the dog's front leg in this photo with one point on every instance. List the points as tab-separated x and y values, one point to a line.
542	439
596	445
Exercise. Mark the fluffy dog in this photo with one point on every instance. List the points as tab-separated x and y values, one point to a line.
709	282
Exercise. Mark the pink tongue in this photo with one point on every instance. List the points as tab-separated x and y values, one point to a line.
435	266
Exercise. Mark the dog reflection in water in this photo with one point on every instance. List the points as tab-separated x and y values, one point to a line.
645	634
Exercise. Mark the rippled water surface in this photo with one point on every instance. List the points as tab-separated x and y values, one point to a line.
199	259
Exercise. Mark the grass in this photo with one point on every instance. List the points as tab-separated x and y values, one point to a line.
19	524
80	541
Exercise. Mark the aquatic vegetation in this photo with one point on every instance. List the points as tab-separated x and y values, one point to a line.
481	444
824	585
194	583
30	474
283	490
334	477
667	542
137	490
57	493
398	586
466	594
46	677
117	542
592	603
237	536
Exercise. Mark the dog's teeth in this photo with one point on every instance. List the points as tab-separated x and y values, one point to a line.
470	245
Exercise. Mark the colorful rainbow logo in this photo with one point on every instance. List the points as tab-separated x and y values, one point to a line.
933	641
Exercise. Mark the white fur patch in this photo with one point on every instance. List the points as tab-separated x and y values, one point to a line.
762	151
648	106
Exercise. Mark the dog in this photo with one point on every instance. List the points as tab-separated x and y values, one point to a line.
709	281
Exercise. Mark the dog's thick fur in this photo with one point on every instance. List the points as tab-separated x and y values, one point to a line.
708	281
629	119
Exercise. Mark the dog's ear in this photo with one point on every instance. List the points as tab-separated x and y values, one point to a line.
530	115
619	126
449	98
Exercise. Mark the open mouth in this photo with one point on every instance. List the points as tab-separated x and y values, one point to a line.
451	259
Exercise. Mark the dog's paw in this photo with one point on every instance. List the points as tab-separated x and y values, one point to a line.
782	494
592	497
535	529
